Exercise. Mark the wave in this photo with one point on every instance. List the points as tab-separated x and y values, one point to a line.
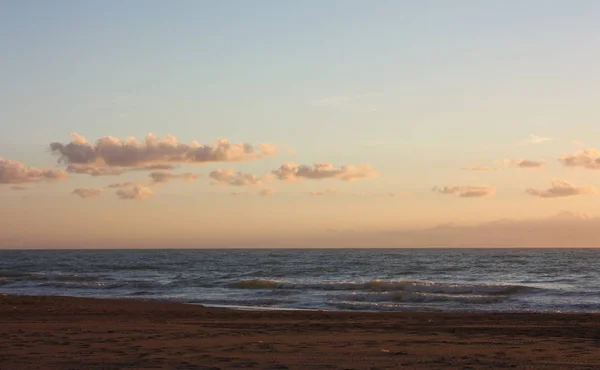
386	286
413	297
7	277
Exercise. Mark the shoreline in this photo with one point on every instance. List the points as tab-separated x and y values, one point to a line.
55	332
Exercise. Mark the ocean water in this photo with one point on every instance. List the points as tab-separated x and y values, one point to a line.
490	280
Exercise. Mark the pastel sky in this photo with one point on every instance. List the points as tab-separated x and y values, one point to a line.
301	124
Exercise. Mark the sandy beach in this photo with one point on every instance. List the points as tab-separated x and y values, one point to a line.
81	333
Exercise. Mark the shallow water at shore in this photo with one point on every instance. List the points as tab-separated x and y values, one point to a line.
474	280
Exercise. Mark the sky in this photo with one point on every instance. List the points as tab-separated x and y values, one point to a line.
201	124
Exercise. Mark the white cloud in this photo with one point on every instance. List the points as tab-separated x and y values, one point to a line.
534	139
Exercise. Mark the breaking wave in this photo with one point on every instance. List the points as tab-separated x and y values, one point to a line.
387	286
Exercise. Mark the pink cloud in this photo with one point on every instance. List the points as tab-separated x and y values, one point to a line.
562	188
587	158
134	192
467	191
522	163
291	172
85	193
15	172
83	157
164	176
231	178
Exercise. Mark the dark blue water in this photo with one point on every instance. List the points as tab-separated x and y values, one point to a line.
541	280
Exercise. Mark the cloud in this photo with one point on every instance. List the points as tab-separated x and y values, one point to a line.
93	170
109	152
15	172
381	194
329	192
587	158
565	229
134	192
534	139
121	185
231	178
268	192
576	142
164	176
521	163
85	193
155	167
479	169
467	191
291	172
18	188
525	163
562	188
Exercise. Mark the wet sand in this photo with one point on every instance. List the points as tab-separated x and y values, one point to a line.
82	333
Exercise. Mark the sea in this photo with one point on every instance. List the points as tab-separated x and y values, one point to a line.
446	280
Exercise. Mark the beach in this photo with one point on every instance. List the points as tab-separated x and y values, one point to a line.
47	332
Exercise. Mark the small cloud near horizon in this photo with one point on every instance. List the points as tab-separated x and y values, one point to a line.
467	191
85	193
319	171
522	163
231	178
133	192
561	189
479	169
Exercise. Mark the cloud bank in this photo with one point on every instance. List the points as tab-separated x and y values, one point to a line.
153	152
565	229
561	189
15	172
